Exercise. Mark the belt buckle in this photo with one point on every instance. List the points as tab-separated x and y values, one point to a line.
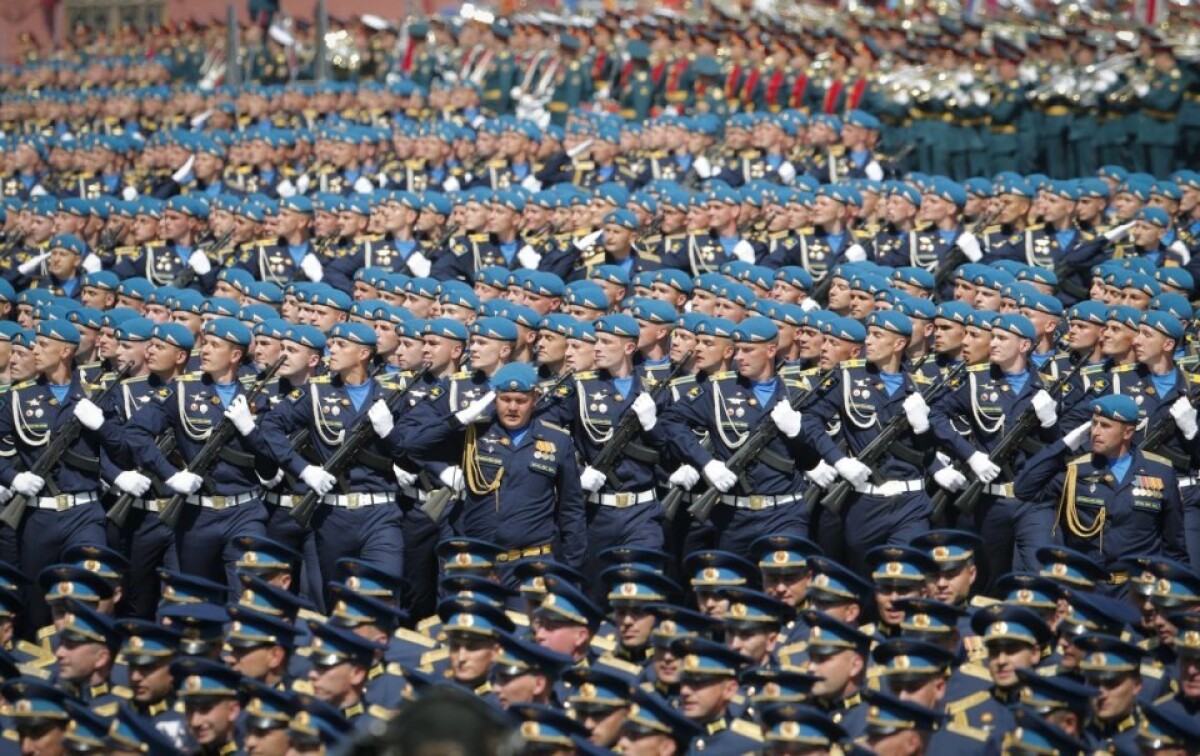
624	500
62	502
352	501
219	502
757	502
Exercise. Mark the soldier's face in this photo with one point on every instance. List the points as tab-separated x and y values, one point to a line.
1109	437
580	355
218	356
151	683
1118	340
927	691
41	739
838	668
952	586
756	361
839	295
1150	345
976	346
1117	695
162	358
63	263
789	586
636	742
272	741
517	689
634	625
551	347
1189	675
1146	234
132	354
1005	657
49	354
1084	335
1007	347
336	683
752	643
704	698
437	352
78	661
514	408
212	722
612	351
489	354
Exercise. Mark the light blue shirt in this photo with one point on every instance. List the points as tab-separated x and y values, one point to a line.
1120	467
1017	381
59	390
891	381
226	391
1163	383
764	390
358	394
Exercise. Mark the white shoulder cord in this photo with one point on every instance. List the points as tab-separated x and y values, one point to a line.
24	432
189	429
856	418
721	413
980	419
585	418
324	432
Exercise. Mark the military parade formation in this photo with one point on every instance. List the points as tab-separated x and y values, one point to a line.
736	383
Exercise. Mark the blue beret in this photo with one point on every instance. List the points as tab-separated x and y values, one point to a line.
175	334
755	330
653	311
1116	407
59	330
1175	304
891	320
1039	302
86	317
1175	277
1155	216
229	329
500	329
713	326
1130	317
355	333
135	329
297	204
623	218
948	190
845	329
1169	325
1089	311
446	328
69	242
618	324
1016	324
515	376
796	276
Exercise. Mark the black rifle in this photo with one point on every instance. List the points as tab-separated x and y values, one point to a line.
205	246
1010	442
220	437
56	447
879	446
355	440
451	230
120	510
748	454
627	427
955	256
1162	431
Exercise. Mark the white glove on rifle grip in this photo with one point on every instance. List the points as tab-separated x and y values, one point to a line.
1184	415
381	418
823	474
969	246
720	476
786	419
591	479
983	467
855	472
312	268
950	479
132	482
1044	408
28	484
185	482
647	413
318	479
91	416
239	414
199	262
685	477
917	412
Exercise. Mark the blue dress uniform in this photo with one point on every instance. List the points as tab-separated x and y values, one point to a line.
361	518
66	512
986	400
625	510
830	636
522	485
1106	511
892	508
228	504
162	262
81	624
730	407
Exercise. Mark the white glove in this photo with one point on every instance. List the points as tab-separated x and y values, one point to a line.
475	409
363	185
451	185
950	479
89	414
184	170
239	414
27	484
580	148
1044	407
1177	246
874	171
969	246
787	173
199	120
312	268
404	477
744	251
856	253
5	495
983	467
1141	89
91	263
591	479
1185	417
1028	74
917	412
1075	438
786	419
316	478
823	474
980	97
132	482
1119	233
129	194
647	413
808	304
38	191
855	472
303	183
199	262
531	183
703	168
685	477
528	257
381	418
272	481
419	264
185	482
286	189
30	265
452	478
720	476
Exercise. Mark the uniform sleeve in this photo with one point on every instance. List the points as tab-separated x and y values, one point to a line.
678	422
572	523
8	442
1041	480
142	432
276	428
1174	543
956	405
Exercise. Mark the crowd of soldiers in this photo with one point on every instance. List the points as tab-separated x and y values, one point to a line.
653	385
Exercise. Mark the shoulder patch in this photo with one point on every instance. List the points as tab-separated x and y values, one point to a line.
974	733
1081	459
411	636
968	702
1156	458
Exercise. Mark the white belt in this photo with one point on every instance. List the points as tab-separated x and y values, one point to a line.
621	500
150	505
222	502
891	487
356	500
1187	482
1004	490
415	493
63	502
758	502
287	501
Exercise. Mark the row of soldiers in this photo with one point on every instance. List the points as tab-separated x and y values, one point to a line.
957	98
